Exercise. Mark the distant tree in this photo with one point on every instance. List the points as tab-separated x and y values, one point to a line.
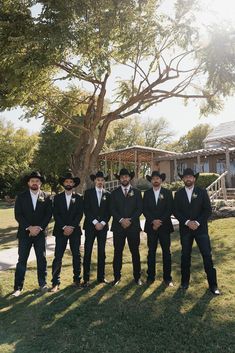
124	133
193	140
133	131
17	150
157	133
53	155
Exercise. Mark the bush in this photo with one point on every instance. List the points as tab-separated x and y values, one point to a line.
174	186
205	179
142	184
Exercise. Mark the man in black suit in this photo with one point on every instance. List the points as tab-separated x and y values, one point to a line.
97	215
33	213
192	208
157	209
67	212
126	208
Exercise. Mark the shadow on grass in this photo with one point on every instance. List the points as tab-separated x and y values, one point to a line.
105	319
123	319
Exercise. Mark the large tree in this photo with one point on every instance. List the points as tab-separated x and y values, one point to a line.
51	51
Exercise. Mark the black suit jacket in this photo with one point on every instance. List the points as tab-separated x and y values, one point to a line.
162	210
93	211
67	217
198	210
26	216
129	206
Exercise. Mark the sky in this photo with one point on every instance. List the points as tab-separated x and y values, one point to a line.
181	118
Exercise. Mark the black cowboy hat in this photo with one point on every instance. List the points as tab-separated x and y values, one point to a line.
35	175
124	171
69	175
188	171
99	174
156	173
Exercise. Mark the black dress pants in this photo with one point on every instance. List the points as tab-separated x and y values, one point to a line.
203	242
24	247
90	236
133	240
60	247
165	242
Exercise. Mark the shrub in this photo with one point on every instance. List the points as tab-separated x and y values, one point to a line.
205	179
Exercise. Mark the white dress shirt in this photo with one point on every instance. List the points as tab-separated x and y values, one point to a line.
156	193
125	189
99	193
68	199
34	198
189	192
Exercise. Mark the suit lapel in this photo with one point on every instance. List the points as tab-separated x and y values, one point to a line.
95	197
186	196
39	200
73	197
29	201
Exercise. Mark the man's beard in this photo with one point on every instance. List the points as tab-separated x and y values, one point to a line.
156	185
34	187
188	183
68	187
125	183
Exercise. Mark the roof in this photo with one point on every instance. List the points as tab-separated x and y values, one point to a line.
223	133
138	153
194	154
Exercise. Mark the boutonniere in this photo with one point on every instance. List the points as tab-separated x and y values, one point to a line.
131	193
41	198
161	196
194	196
73	199
104	197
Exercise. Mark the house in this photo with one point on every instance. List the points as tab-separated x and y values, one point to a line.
217	156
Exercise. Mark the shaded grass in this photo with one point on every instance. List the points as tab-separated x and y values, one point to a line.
126	318
8	226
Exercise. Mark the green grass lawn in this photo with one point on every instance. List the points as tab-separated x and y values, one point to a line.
8	226
127	318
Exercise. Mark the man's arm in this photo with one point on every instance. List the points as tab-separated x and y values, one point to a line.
19	215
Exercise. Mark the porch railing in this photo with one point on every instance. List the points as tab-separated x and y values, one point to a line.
111	185
218	188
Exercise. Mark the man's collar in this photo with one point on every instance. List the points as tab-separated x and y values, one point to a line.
99	189
33	193
154	189
189	189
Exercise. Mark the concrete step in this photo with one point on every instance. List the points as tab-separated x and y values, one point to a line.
230	193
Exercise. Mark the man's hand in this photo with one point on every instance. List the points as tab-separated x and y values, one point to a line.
156	224
192	225
68	230
125	222
34	231
99	226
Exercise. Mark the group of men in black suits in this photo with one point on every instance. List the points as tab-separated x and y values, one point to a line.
191	206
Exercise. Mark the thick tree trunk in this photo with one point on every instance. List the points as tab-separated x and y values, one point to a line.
84	161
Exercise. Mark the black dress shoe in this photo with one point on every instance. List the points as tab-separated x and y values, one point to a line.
115	282
215	290
150	280
103	280
86	284
77	284
184	286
